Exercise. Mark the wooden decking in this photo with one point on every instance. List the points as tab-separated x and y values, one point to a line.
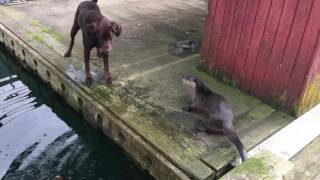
307	162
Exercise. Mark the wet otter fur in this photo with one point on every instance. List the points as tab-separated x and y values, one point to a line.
217	108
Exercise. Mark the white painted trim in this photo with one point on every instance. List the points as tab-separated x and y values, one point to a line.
294	137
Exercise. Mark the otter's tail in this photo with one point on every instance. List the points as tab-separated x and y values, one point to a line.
233	137
94	1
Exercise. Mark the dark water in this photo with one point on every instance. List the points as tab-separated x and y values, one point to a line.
42	137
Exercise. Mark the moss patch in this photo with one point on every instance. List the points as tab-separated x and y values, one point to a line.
102	91
256	167
45	30
38	38
33	22
56	37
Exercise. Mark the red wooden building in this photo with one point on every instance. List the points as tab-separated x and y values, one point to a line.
269	48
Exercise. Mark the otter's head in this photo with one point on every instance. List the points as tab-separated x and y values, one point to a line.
190	81
195	84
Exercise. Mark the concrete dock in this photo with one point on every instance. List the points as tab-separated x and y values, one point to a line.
141	111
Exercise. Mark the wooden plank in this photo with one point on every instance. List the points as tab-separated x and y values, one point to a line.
304	59
293	45
266	47
282	143
226	30
207	29
306	162
279	46
234	40
245	39
216	32
264	165
254	46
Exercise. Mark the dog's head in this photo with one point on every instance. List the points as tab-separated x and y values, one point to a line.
103	32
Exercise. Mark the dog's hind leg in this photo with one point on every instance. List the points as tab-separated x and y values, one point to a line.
75	28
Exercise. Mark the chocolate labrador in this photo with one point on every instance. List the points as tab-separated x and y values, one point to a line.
97	31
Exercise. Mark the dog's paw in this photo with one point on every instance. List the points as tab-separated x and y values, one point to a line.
89	80
67	54
109	80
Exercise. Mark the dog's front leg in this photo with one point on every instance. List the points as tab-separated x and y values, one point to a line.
99	54
87	65
106	69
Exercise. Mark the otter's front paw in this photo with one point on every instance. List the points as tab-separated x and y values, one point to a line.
67	54
187	109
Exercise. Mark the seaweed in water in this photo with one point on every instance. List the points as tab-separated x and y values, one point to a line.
11	2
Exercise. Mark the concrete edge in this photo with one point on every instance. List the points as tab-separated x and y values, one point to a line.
98	116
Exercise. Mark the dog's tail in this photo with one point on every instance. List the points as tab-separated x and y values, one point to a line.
94	1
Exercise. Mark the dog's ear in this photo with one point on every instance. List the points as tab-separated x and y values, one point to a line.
91	29
116	28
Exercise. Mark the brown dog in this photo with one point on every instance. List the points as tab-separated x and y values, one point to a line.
97	31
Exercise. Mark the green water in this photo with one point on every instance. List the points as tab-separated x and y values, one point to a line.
42	137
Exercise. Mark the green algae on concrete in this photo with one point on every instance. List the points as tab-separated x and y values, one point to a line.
33	22
37	37
262	166
255	166
42	34
45	30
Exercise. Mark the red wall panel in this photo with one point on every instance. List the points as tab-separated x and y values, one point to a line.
266	47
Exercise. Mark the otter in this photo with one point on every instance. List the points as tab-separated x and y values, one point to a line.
217	108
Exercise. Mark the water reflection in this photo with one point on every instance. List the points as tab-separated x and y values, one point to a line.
41	137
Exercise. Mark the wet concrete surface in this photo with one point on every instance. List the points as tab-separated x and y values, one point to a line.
41	136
